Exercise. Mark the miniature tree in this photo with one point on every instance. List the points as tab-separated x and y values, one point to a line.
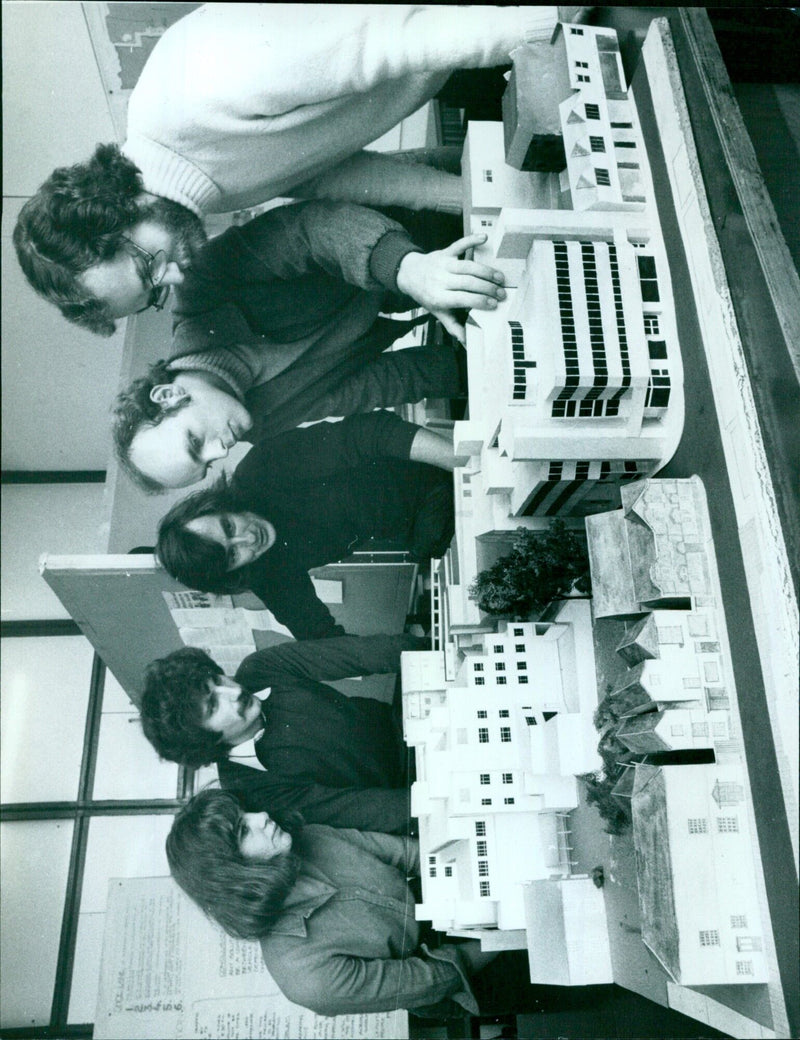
598	793
540	567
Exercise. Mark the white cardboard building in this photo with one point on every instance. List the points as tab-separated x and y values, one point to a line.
496	751
696	872
579	369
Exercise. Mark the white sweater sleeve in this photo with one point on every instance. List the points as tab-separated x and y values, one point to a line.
281	56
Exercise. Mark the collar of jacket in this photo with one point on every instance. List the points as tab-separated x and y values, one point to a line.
311	891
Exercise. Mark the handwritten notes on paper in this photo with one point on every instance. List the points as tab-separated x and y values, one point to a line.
168	972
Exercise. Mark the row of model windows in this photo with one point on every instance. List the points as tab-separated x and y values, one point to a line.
725	825
504	713
586	408
508	778
505	734
501	680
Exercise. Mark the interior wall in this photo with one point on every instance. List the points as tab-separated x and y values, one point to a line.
45	518
58	380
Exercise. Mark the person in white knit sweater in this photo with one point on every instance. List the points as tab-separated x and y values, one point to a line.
242	103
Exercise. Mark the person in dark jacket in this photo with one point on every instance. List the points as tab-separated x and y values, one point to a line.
339	760
310	497
282	317
332	909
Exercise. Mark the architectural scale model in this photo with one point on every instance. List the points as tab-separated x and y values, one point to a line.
497	749
653	566
579	370
580	400
695	868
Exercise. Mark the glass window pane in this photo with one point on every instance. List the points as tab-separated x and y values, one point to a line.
35	861
127	765
86	968
122	847
44	694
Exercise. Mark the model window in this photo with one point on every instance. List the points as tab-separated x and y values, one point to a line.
710	937
505	734
483	735
648	279
597	143
520	648
432	871
657	349
488	176
519	631
501	680
484	888
698	826
738	921
603	178
508	778
531	721
728	824
479	680
482	713
480	828
583	79
448	871
576	32
498	648
582	64
744	967
485	778
504	713
483	868
651	326
522	666
746	943
522	679
486	801
482	848
699	729
508	801
499	666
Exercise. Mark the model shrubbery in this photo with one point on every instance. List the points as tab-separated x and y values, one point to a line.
541	566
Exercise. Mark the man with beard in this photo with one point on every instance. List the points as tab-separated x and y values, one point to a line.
239	104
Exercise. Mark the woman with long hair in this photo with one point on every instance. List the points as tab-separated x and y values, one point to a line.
310	497
330	907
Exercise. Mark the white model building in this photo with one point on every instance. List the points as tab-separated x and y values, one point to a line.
696	874
653	552
567	933
579	369
658	549
496	752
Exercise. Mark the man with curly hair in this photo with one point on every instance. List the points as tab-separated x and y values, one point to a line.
339	760
239	104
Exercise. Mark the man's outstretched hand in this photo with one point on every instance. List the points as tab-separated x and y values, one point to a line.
443	283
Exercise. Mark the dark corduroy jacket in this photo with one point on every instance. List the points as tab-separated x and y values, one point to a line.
286	310
338	760
328	489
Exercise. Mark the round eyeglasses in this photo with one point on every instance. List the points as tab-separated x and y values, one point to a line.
153	267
